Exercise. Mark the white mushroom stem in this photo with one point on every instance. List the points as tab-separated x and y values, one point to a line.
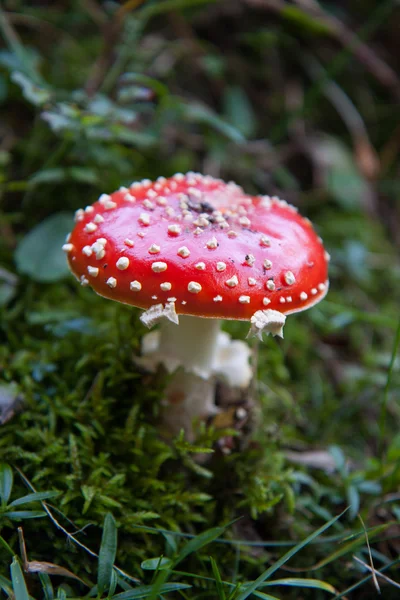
193	344
198	352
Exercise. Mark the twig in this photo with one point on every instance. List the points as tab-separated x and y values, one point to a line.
378	573
374	579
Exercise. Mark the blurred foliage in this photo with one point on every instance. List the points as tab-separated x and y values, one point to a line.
296	99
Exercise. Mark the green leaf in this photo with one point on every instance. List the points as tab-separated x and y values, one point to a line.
35	497
47	587
146	590
24	514
6	483
5	585
35	94
199	542
305	21
239	111
193	545
342	177
8	286
108	550
249	589
39	254
158	563
307	583
6	546
197	113
218	581
53	175
18	581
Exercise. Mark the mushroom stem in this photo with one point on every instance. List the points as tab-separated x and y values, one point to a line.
198	353
190	394
194	343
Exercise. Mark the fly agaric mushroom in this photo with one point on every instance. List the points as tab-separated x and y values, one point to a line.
194	250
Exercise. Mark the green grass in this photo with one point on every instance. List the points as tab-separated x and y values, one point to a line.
270	95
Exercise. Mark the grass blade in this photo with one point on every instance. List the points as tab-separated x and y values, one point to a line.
24	514
18	581
6	483
385	399
199	542
218	581
249	589
36	497
108	550
145	591
6	546
307	583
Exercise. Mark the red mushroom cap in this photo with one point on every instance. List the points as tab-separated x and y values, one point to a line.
200	243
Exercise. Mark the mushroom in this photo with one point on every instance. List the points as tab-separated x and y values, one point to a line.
192	250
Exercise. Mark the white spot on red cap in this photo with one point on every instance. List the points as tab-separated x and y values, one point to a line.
212	243
129	198
129	242
270	285
90	227
122	263
154	249
166	286
267	264
232	282
249	259
201	222
184	252
244	299
289	278
111	282
68	247
194	287
174	229
266	301
303	296
159	267
200	266
252	281
109	205
98	219
217	299
144	219
93	271
135	286
87	250
265	241
221	266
